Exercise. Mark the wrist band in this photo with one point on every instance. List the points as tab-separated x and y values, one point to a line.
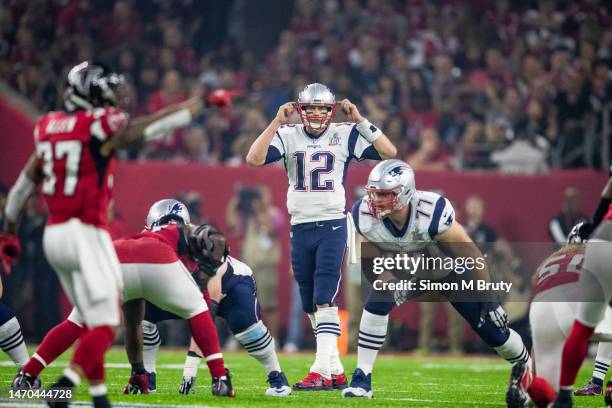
368	131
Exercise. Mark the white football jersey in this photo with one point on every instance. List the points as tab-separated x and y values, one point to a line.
239	267
317	168
430	215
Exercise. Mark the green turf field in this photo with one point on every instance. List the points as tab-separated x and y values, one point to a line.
398	381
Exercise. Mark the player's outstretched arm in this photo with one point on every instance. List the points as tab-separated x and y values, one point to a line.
259	149
377	137
172	117
29	178
152	126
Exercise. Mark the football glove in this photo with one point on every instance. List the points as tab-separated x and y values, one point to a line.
495	313
10	249
188	386
221	98
138	384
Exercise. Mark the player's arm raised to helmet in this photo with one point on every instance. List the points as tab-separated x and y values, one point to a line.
259	149
456	242
29	178
376	137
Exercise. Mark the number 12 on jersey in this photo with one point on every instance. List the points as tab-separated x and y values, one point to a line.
315	183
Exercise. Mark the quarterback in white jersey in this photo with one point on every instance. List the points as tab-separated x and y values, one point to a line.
316	155
394	216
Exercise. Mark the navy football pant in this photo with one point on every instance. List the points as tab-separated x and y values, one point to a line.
317	255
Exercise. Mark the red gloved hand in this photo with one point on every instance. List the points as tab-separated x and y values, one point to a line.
221	98
10	249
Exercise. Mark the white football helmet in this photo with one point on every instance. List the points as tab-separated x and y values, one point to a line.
166	210
390	187
318	95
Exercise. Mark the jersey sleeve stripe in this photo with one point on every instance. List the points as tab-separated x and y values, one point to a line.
273	155
435	218
371	153
282	143
352	142
355	214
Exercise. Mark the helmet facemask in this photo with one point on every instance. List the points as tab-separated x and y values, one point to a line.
382	202
315	122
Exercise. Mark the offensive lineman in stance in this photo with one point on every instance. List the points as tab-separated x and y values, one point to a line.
394	212
74	160
316	155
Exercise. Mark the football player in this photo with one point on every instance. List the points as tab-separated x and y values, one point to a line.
394	212
74	161
232	294
551	315
316	155
595	289
152	271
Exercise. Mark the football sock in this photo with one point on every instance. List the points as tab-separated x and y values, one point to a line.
335	363
513	350
192	363
259	343
313	323
541	392
89	354
69	379
58	340
574	351
99	396
602	363
328	330
204	333
372	333
11	339
150	347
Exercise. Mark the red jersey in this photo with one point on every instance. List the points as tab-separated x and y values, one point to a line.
162	245
558	269
78	178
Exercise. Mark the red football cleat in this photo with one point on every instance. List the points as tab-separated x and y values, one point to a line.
314	382
339	381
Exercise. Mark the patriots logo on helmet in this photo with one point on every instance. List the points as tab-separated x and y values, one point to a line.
396	171
176	209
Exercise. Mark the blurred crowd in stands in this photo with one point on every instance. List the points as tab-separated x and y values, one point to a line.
522	86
